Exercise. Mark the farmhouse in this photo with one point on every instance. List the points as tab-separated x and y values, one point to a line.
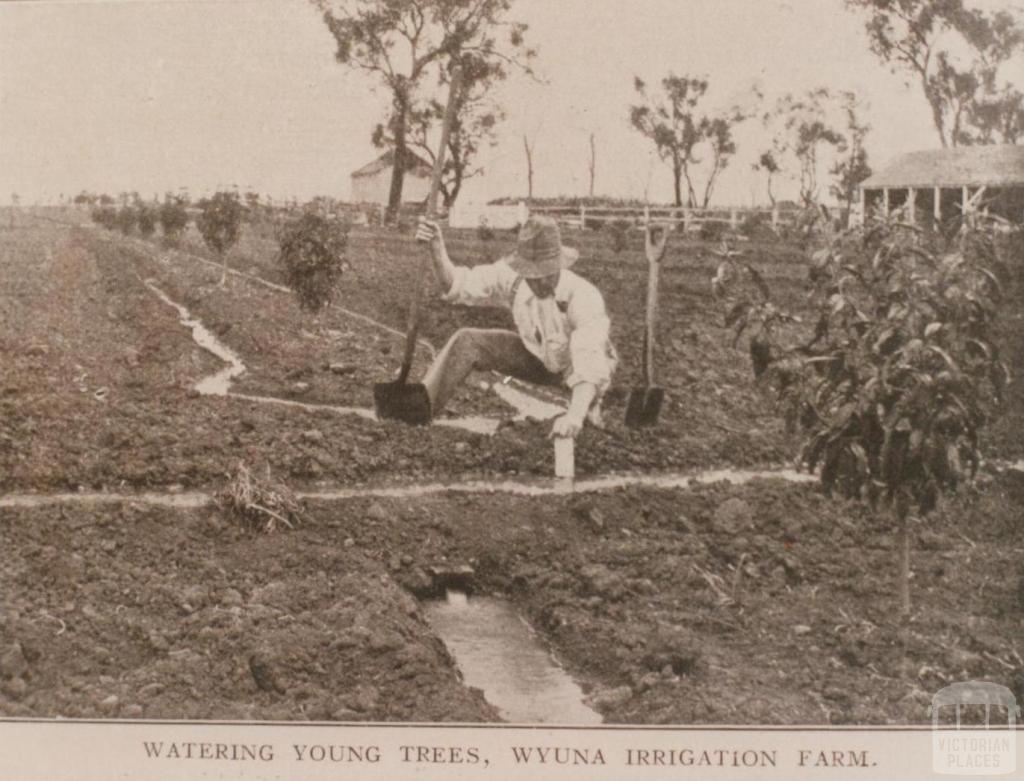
933	186
372	182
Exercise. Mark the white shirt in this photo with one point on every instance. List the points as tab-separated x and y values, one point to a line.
568	332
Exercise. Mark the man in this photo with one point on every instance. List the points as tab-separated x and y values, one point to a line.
561	335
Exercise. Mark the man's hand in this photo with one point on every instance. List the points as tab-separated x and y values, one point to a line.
429	231
571	423
567	425
655	242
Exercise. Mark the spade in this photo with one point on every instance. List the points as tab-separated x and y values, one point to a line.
401	400
645	401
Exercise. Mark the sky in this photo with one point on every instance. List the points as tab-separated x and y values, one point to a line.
154	95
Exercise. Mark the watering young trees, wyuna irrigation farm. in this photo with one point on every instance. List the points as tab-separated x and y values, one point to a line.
263	459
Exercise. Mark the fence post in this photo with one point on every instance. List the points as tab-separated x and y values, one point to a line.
733	220
686	220
583	216
775	218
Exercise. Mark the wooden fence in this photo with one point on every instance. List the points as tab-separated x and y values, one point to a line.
690	219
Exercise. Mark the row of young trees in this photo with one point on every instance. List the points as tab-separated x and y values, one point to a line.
312	238
136	214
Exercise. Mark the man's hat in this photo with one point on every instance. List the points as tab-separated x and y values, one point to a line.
539	251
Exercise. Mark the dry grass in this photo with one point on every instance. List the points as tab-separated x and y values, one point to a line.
261	504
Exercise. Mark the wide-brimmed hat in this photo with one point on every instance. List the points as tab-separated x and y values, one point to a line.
539	251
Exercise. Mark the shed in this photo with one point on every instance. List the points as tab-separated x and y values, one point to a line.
940	184
372	182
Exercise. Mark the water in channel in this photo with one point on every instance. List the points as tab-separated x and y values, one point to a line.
498	653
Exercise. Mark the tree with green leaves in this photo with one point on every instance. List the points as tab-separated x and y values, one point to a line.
220	223
902	372
173	217
998	118
680	132
956	54
474	127
312	254
146	216
685	137
400	42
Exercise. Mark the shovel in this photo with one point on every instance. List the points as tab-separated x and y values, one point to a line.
644	403
400	400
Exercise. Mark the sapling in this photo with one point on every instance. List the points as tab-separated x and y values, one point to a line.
127	218
902	372
146	216
312	255
173	217
219	223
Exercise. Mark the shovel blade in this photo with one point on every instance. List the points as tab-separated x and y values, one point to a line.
644	406
407	402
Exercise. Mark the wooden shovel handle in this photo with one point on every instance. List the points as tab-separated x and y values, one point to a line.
413	323
652	319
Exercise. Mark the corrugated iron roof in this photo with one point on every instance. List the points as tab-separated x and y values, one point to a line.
966	165
387	160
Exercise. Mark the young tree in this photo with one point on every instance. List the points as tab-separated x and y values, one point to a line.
902	372
252	205
312	255
127	218
219	222
399	41
677	130
927	40
173	217
852	168
146	217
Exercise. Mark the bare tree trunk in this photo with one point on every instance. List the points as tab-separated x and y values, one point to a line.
529	166
903	528
709	187
593	163
936	105
677	176
398	168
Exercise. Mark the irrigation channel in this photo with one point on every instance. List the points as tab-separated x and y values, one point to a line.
527	404
499	653
219	384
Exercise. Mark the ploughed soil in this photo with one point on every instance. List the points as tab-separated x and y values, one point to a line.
765	603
